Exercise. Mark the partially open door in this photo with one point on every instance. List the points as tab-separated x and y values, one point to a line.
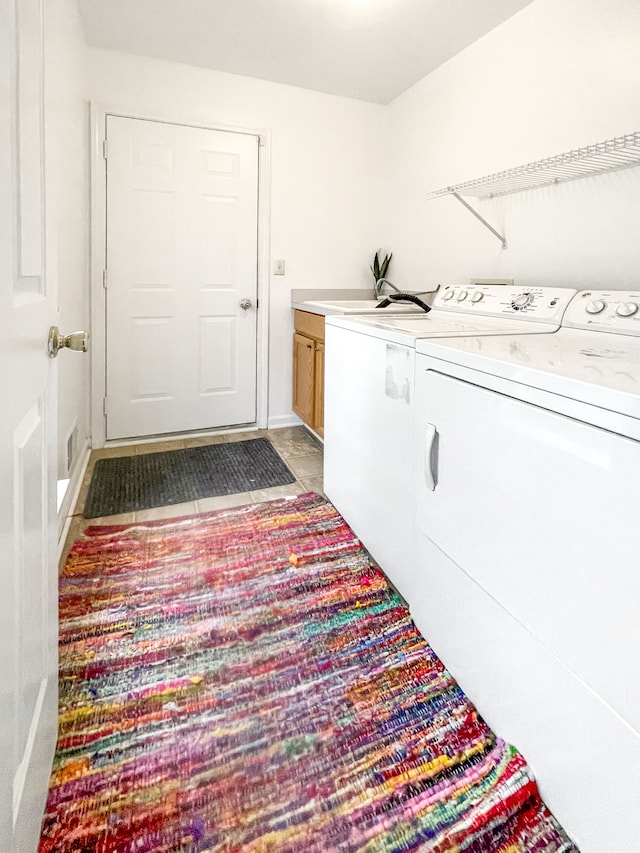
28	589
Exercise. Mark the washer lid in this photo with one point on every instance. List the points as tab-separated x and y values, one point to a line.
437	324
599	369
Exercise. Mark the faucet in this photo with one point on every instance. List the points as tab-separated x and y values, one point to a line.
377	288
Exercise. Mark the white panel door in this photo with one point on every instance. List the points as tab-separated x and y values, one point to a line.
28	587
181	257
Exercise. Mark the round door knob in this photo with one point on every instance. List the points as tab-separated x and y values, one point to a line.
78	341
595	306
626	309
245	304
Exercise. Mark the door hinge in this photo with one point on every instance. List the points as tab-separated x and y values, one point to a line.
104	406
104	149
104	279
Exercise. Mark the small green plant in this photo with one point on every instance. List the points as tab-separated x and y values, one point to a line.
378	269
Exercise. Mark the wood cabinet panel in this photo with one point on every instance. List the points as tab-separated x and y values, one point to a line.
303	377
311	325
308	369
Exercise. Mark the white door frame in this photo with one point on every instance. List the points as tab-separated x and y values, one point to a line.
99	113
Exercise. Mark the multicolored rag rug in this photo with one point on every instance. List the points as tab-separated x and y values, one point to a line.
245	681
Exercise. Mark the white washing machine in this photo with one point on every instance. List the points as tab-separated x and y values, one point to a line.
369	390
527	554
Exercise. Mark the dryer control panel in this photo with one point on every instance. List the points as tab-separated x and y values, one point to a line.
535	304
613	311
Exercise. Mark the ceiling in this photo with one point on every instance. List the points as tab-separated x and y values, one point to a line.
368	49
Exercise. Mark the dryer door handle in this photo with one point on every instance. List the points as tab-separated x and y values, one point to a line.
430	457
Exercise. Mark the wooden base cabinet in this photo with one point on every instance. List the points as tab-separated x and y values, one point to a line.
308	369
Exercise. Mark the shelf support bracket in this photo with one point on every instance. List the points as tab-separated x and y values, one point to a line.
481	218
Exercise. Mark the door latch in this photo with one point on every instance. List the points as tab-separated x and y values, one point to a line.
78	341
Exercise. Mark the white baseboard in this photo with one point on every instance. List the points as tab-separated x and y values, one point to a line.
317	437
279	421
71	495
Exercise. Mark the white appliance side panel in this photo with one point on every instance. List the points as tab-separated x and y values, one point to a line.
585	759
543	512
368	429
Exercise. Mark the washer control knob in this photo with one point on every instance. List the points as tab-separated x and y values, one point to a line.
626	309
596	306
477	296
448	294
520	302
462	295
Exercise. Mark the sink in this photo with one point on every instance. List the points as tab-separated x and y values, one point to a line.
361	306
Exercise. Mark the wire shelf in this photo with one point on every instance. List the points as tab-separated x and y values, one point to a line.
622	152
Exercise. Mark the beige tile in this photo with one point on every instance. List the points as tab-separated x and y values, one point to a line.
244	436
159	446
306	466
223	501
203	440
287	491
112	452
313	484
297	446
121	518
88	474
169	511
78	507
136	448
278	436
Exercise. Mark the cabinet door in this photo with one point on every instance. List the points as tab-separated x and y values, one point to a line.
318	420
303	377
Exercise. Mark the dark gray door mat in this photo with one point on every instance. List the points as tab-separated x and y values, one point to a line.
130	483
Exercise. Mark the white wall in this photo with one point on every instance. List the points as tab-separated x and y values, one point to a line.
558	75
67	139
325	174
348	176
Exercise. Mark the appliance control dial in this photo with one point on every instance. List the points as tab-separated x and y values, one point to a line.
448	295
626	309
596	306
477	296
462	295
521	301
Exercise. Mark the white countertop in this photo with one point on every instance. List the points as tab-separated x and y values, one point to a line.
332	302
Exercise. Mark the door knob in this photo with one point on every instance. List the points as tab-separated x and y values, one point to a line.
245	303
78	341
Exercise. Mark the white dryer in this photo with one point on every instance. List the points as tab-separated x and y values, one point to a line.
369	392
527	581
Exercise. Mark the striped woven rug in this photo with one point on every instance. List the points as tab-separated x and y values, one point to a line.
245	680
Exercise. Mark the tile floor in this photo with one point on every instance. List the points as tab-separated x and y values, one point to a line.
299	449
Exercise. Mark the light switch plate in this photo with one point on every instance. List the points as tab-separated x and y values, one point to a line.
278	267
